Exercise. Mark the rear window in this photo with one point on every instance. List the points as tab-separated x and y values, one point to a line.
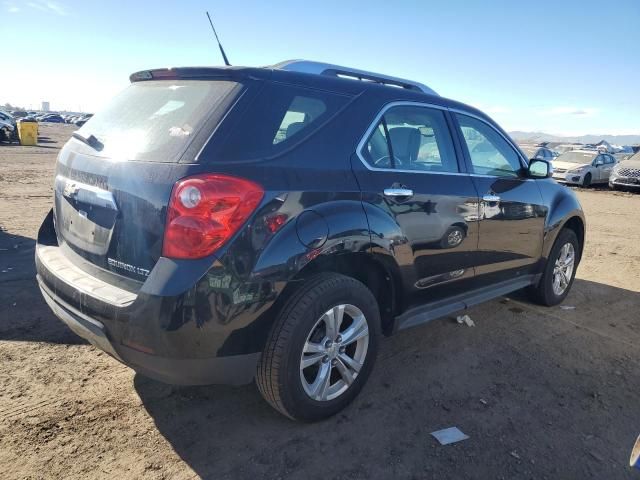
155	120
279	117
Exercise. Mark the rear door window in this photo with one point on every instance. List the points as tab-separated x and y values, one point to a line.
419	138
154	121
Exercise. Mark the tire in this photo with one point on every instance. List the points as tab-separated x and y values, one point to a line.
587	180
280	379
544	293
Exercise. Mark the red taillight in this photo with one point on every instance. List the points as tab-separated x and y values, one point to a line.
205	211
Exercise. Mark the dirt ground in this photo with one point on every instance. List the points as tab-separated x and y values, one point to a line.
543	393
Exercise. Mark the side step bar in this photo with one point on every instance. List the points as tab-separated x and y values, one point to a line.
432	311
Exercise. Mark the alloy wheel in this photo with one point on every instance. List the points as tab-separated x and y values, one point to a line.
563	268
334	352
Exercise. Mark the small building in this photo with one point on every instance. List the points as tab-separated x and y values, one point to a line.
45	107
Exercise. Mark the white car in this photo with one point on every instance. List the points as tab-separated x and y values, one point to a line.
583	167
626	173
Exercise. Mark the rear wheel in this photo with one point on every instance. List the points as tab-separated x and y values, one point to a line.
587	180
559	272
322	348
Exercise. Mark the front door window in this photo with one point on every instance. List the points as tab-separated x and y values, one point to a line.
489	152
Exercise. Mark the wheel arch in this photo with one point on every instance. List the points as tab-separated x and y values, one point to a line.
576	224
363	267
564	211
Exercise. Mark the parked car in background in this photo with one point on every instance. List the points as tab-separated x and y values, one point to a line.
7	117
80	121
10	127
7	131
583	167
536	152
52	118
269	223
626	173
19	114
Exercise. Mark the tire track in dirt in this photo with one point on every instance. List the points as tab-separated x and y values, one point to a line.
25	408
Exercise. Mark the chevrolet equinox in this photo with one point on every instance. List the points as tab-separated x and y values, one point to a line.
220	225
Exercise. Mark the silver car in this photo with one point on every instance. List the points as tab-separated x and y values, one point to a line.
583	167
626	173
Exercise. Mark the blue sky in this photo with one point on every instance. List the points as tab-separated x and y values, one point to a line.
562	66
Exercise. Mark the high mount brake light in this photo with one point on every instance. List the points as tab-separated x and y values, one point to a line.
205	211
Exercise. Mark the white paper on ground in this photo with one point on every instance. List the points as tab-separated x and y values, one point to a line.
449	435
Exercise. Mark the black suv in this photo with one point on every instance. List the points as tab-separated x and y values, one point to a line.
216	225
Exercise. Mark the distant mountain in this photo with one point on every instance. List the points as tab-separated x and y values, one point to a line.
547	137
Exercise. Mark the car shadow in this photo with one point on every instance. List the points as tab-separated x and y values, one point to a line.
24	315
431	377
230	432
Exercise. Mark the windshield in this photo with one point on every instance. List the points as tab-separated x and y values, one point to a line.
634	158
155	120
577	157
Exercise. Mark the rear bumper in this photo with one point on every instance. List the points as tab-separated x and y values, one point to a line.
231	370
187	338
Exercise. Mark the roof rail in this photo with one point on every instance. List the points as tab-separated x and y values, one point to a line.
318	68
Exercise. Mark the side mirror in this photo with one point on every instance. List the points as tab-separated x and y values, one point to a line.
539	169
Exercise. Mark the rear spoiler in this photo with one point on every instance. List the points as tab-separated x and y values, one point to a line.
198	73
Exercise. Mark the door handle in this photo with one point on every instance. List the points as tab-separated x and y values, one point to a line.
491	198
398	192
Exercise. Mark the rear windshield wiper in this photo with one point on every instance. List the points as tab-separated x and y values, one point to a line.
92	141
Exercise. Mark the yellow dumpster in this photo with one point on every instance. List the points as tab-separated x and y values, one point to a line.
28	132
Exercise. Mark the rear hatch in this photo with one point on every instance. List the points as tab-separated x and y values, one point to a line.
114	177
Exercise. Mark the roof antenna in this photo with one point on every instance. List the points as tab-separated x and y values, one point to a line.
224	56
